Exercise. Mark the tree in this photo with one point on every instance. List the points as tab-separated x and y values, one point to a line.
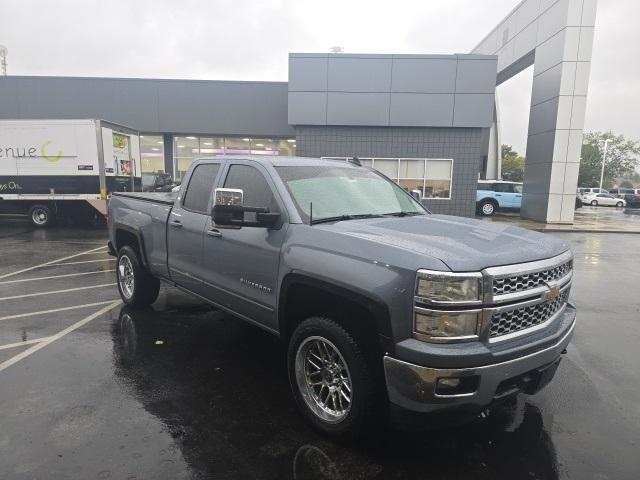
512	164
622	158
626	184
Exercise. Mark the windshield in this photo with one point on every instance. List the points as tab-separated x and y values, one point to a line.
345	192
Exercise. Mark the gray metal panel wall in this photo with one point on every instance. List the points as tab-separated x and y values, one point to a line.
463	145
149	105
391	90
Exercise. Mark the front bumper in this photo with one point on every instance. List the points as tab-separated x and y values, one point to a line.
413	387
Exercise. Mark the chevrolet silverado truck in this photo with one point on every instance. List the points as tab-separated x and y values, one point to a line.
387	311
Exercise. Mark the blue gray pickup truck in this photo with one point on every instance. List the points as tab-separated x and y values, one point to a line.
387	310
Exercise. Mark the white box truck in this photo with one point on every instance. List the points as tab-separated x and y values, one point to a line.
65	168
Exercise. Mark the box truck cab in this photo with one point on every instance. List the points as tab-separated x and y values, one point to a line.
55	168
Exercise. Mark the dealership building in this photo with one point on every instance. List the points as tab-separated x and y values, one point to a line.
429	122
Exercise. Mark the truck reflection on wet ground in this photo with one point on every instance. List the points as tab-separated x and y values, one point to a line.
220	388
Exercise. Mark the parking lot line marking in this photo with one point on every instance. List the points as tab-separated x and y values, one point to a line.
29	351
22	344
57	276
84	261
54	310
57	291
7	275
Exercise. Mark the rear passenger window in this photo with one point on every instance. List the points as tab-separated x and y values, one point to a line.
198	192
503	187
257	192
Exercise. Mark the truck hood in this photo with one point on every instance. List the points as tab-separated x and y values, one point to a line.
463	244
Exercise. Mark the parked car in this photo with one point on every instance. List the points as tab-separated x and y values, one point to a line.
622	192
588	191
492	195
603	199
633	201
386	309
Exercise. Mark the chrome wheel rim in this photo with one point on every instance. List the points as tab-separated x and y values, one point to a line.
125	276
487	208
323	379
39	216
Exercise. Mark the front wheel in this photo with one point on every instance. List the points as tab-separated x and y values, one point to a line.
619	204
594	203
330	378
137	287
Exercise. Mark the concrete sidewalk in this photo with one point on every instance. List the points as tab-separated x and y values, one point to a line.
587	219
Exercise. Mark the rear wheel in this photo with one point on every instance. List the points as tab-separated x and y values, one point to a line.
41	216
619	204
487	208
137	287
594	203
330	378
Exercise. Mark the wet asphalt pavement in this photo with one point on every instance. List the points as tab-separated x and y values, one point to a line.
182	391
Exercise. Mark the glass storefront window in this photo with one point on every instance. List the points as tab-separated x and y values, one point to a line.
188	148
211	146
237	146
151	154
432	177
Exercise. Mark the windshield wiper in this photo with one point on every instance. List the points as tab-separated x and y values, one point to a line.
403	214
339	218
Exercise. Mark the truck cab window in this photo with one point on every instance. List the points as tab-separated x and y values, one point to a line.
196	198
257	192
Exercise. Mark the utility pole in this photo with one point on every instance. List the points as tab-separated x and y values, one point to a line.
604	159
3	59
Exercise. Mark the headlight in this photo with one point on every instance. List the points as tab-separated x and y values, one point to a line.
432	325
449	288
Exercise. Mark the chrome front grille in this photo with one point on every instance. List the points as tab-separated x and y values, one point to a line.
505	321
527	281
523	297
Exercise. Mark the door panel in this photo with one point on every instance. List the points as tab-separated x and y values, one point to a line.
184	241
186	225
242	263
242	270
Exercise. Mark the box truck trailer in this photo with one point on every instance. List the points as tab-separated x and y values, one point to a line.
65	168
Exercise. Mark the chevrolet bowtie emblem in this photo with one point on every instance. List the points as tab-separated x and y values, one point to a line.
551	294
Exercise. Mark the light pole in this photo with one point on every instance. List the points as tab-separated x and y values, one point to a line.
604	159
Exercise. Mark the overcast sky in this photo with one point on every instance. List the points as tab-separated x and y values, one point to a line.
250	40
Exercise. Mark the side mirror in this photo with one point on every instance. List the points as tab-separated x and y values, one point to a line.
417	195
228	210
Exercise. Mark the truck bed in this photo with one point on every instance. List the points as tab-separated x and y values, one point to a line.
167	198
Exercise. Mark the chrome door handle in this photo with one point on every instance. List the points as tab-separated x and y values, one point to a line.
214	232
176	223
498	194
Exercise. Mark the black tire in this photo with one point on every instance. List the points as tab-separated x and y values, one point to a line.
487	208
361	412
41	216
619	205
144	288
594	203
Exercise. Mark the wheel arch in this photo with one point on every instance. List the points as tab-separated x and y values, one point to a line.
302	295
125	235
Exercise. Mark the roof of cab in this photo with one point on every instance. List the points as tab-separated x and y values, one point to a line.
282	161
